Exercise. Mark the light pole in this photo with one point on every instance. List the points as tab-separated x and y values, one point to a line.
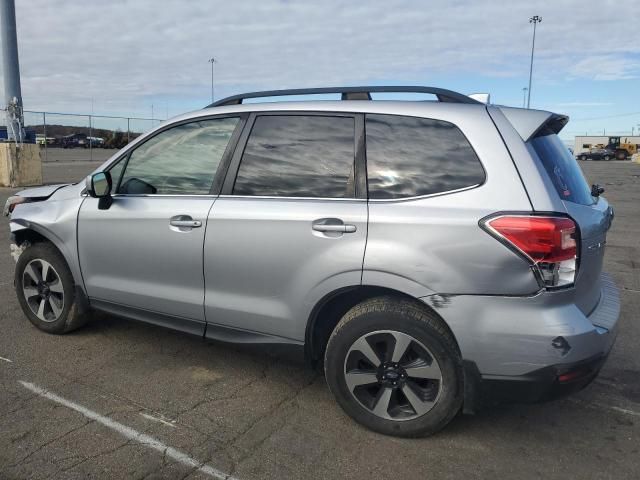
212	61
11	71
524	96
535	20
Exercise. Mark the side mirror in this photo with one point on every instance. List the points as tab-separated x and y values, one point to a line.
99	186
596	190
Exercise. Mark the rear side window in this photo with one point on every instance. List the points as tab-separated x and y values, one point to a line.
410	156
562	168
298	156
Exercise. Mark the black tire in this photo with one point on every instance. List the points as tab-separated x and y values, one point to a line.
69	318
427	330
607	157
583	157
621	155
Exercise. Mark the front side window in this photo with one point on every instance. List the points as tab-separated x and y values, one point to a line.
410	156
298	156
179	161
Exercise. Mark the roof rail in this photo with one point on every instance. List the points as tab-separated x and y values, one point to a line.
349	93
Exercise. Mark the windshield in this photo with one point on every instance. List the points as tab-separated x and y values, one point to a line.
562	168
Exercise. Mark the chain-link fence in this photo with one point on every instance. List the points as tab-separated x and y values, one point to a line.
71	137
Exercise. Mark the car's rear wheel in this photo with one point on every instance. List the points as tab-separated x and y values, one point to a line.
394	367
607	157
583	157
45	290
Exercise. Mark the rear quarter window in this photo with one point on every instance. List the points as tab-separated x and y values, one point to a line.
562	168
411	156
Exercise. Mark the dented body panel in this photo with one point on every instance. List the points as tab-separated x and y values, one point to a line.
55	219
512	336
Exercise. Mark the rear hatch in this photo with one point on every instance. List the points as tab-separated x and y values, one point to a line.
592	213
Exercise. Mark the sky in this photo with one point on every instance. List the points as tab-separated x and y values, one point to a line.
121	57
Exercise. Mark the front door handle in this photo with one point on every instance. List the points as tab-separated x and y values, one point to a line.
184	223
332	227
345	228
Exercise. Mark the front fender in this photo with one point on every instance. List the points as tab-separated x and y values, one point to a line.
57	222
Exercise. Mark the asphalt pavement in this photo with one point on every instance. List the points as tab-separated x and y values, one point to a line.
119	399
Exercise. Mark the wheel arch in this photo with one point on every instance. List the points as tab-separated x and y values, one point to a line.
329	310
32	232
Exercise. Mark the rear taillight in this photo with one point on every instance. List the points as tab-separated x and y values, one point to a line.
548	243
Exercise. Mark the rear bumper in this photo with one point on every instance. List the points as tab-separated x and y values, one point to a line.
542	385
519	349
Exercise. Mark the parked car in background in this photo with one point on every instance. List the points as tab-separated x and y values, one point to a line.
94	142
431	257
74	140
598	154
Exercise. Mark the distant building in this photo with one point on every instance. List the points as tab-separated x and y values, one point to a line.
584	144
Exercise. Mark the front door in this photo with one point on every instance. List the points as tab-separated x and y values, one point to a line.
288	228
144	253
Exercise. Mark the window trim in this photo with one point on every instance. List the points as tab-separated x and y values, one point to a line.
360	190
218	175
426	195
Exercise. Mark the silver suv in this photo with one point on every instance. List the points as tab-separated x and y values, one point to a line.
432	256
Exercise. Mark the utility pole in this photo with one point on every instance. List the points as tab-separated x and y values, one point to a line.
212	61
524	96
11	68
535	20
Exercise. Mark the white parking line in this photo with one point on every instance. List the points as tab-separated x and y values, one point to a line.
624	410
156	419
6	360
130	433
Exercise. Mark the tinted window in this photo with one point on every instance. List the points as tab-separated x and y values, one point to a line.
182	160
562	168
298	156
409	156
116	170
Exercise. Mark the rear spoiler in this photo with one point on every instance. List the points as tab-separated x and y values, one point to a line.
528	123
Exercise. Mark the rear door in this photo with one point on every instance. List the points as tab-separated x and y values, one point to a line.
593	214
290	225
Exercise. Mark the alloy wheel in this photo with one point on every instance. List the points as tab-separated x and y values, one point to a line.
393	375
43	290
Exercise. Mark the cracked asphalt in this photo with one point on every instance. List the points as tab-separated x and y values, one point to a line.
259	413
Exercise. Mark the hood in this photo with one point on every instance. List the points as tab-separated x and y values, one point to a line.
41	192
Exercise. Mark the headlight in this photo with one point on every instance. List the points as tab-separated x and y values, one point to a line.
11	203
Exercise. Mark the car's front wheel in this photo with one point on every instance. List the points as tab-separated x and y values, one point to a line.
394	367
45	290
